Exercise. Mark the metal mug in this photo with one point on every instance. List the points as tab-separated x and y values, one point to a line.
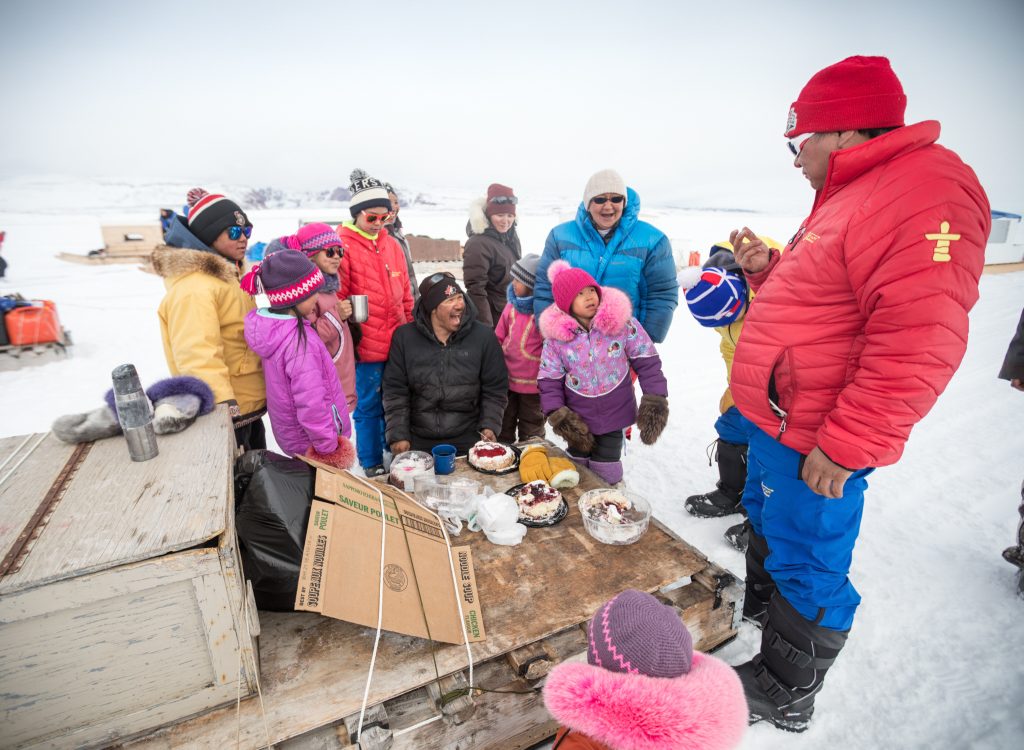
360	308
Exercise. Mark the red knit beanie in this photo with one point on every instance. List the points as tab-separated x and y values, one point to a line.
857	93
500	200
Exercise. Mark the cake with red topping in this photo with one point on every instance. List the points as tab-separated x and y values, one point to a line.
538	500
491	456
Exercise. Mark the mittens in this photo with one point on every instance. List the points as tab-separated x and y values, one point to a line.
343	457
177	402
570	426
88	426
651	417
533	464
564	474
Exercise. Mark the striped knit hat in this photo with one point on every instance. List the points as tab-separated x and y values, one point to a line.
717	297
212	214
287	277
316	237
634	633
367	192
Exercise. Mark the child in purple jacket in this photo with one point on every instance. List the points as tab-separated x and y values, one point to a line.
521	344
305	401
591	340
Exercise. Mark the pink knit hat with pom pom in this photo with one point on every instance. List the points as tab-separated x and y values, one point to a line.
567	282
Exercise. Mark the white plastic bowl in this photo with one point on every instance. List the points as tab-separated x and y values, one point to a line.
606	532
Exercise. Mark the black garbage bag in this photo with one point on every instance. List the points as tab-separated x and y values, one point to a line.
273	494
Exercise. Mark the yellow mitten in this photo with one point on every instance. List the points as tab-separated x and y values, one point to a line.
533	464
564	474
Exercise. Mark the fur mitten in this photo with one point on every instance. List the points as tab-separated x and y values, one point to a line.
651	417
570	426
564	474
533	464
88	426
177	402
341	458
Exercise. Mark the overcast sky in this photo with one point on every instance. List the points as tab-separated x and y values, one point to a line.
687	100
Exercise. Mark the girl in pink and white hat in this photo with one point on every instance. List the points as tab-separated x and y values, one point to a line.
305	400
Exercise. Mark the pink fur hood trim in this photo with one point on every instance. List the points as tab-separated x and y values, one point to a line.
612	315
702	710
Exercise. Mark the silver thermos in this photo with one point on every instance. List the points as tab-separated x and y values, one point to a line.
134	413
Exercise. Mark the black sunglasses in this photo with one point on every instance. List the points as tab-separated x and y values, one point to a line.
601	200
334	252
236	232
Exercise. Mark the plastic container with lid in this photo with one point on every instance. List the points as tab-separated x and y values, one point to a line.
405	467
614	516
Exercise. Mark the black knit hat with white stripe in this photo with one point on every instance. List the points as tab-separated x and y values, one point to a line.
367	192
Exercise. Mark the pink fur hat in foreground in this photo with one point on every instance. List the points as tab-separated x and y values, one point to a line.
703	709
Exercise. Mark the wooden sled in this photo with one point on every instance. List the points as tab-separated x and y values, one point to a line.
537	598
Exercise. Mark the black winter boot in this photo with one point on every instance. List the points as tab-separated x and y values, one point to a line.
780	682
732	473
738	535
759	583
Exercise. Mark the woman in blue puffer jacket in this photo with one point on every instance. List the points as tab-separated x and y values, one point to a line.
609	242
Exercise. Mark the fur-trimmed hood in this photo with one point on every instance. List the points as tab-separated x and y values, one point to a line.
170	262
613	313
479	223
702	710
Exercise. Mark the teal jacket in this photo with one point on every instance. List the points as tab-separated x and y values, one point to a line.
637	259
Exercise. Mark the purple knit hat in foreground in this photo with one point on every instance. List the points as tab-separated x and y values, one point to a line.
634	633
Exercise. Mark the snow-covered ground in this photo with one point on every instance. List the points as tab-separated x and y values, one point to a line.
936	656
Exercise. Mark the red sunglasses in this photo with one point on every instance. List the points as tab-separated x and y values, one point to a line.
375	218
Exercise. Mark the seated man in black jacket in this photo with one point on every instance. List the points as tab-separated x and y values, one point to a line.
445	380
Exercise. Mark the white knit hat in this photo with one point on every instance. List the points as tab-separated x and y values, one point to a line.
605	181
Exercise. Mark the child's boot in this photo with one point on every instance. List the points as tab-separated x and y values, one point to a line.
732	472
609	471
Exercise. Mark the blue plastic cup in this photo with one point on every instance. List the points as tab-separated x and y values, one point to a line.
444	458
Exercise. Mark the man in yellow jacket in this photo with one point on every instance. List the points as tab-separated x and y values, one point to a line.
202	313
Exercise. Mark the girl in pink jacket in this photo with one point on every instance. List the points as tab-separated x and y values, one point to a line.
305	401
522	344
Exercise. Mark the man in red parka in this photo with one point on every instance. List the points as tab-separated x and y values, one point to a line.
856	329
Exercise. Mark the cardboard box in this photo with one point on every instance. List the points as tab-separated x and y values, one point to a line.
426	592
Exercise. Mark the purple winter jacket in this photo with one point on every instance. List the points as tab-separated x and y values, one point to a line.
304	398
588	371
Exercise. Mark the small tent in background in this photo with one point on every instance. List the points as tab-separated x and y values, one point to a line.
1006	240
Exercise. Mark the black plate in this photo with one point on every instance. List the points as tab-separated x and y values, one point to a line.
509	470
537	523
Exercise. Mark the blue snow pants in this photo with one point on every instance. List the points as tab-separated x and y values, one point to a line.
810	537
369	414
733	427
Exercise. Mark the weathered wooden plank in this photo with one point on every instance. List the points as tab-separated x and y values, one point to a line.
116	511
24	489
114	658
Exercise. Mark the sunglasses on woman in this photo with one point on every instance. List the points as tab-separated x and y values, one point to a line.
503	199
235	233
334	252
601	200
375	218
